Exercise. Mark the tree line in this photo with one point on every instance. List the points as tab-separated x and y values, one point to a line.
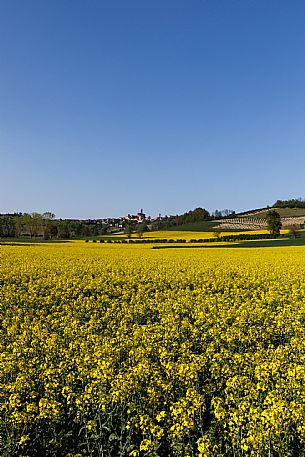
191	217
36	225
292	203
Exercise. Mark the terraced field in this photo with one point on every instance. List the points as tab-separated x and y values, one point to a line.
257	220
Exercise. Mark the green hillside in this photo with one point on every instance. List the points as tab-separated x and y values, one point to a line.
202	226
250	217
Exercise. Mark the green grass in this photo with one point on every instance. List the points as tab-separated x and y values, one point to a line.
203	226
26	240
276	242
280	242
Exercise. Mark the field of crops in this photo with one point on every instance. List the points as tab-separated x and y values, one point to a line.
121	350
167	234
188	235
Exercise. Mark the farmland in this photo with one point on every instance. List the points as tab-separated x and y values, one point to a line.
254	220
188	235
183	234
121	350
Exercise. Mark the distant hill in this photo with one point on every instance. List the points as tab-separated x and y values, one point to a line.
254	219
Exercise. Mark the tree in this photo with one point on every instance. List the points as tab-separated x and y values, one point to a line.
34	223
7	226
294	230
274	222
139	231
217	214
63	229
292	203
48	225
104	229
141	228
217	234
48	215
128	230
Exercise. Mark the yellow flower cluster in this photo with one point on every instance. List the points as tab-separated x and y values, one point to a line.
121	350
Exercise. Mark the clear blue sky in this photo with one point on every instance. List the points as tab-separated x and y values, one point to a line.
110	106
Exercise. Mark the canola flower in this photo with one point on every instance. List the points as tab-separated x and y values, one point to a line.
188	235
118	350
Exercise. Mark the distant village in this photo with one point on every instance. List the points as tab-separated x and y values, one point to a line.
47	226
121	222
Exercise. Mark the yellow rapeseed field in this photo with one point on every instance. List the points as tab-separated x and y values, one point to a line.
121	350
188	235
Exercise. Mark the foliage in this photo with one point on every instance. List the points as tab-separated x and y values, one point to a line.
196	215
292	203
201	237
141	228
128	230
7	226
217	234
45	226
294	230
274	222
217	214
